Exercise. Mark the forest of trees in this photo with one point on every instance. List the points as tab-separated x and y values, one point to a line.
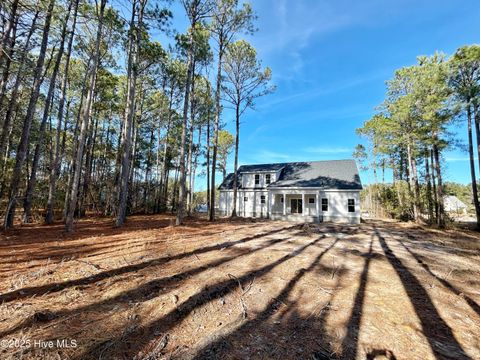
96	115
411	130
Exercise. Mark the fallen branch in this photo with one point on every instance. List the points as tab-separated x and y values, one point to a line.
93	265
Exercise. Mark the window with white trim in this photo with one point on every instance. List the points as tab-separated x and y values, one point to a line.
311	200
245	198
257	179
351	205
268	178
324	204
262	199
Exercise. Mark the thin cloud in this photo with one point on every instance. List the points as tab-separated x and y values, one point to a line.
329	89
459	159
327	150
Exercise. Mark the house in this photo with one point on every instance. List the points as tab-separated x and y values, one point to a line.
313	191
453	204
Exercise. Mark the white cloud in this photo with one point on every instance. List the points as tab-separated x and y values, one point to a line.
327	150
458	158
318	92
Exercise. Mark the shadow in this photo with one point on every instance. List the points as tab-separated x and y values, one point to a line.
220	348
382	354
145	334
350	341
473	305
336	174
332	174
143	292
56	245
439	335
56	287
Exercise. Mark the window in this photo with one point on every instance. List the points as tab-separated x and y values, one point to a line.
267	179
281	199
245	198
351	205
311	200
257	179
296	206
262	199
324	204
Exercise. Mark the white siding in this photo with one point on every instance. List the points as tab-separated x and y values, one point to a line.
337	204
253	207
248	180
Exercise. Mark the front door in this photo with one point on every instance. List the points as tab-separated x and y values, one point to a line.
296	206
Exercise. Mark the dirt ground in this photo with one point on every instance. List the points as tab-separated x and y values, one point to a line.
239	290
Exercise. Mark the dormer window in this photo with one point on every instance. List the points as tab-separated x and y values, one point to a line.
257	179
267	179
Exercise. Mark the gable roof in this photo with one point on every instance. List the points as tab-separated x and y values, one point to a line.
453	203
329	174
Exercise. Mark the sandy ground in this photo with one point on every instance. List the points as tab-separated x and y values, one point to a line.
239	290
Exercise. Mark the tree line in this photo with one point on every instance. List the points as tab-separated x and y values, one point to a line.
96	115
412	129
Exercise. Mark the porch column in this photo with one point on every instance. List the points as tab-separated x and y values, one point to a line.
269	205
303	204
284	204
317	204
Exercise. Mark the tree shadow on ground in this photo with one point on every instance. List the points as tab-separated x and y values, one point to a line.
280	330
473	305
439	335
56	287
143	292
295	328
144	334
350	341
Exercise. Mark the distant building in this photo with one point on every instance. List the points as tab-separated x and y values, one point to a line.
454	205
302	191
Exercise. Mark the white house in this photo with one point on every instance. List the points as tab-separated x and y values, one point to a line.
454	205
301	191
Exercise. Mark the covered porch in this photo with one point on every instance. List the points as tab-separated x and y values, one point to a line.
291	205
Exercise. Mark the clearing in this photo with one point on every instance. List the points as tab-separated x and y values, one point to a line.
239	290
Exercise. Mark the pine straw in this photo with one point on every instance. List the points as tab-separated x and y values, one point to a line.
240	289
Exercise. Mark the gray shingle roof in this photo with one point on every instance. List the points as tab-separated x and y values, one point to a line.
329	174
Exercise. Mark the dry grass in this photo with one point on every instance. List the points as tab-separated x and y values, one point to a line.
240	289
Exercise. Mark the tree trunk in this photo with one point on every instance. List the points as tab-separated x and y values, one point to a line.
7	44
7	123
132	73
435	198
195	164
9	26
54	166
476	116
27	204
441	210
186	102
146	191
24	140
472	165
216	128
164	185
429	187
8	63
72	163
190	142
413	181
235	166
84	119
88	166
208	163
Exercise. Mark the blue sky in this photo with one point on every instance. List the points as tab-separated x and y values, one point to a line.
330	61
